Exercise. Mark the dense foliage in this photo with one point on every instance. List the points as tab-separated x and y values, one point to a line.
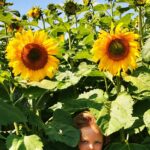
37	114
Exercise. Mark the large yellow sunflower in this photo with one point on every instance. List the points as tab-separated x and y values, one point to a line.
30	54
116	51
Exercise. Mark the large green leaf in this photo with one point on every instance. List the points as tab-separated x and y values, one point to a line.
63	133
118	116
146	118
88	40
146	51
126	19
101	7
141	81
67	79
45	84
32	142
6	17
93	99
10	114
131	146
62	116
83	55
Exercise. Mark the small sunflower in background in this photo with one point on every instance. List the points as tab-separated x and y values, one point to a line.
70	8
31	55
51	7
116	51
86	2
141	2
2	3
15	26
35	13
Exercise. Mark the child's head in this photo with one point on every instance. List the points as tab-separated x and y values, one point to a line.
91	137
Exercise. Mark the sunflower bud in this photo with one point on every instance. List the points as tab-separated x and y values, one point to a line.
35	12
86	2
70	8
2	3
51	7
15	26
140	2
88	16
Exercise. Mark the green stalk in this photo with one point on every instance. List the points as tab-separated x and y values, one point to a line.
6	33
93	13
69	40
76	20
118	88
140	26
106	85
43	21
69	36
16	128
112	12
122	136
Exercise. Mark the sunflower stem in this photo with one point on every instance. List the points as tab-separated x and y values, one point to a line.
69	40
140	26
43	21
16	128
106	85
112	11
76	20
93	13
6	33
118	86
122	136
40	99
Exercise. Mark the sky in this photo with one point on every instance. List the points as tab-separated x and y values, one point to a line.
24	5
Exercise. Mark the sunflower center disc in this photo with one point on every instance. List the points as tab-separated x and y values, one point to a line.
34	56
116	49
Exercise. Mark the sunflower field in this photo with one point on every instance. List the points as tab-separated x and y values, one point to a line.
70	57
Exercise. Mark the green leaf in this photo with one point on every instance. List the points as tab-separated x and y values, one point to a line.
24	143
93	99
34	92
83	55
96	73
10	114
146	119
62	116
141	81
45	84
126	19
146	51
6	17
84	69
35	120
63	133
118	116
101	7
131	146
67	79
88	40
2	137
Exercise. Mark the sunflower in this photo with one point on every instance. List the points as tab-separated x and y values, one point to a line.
70	7
140	2
35	12
15	26
30	54
116	51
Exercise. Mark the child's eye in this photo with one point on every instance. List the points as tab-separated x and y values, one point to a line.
84	142
98	142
